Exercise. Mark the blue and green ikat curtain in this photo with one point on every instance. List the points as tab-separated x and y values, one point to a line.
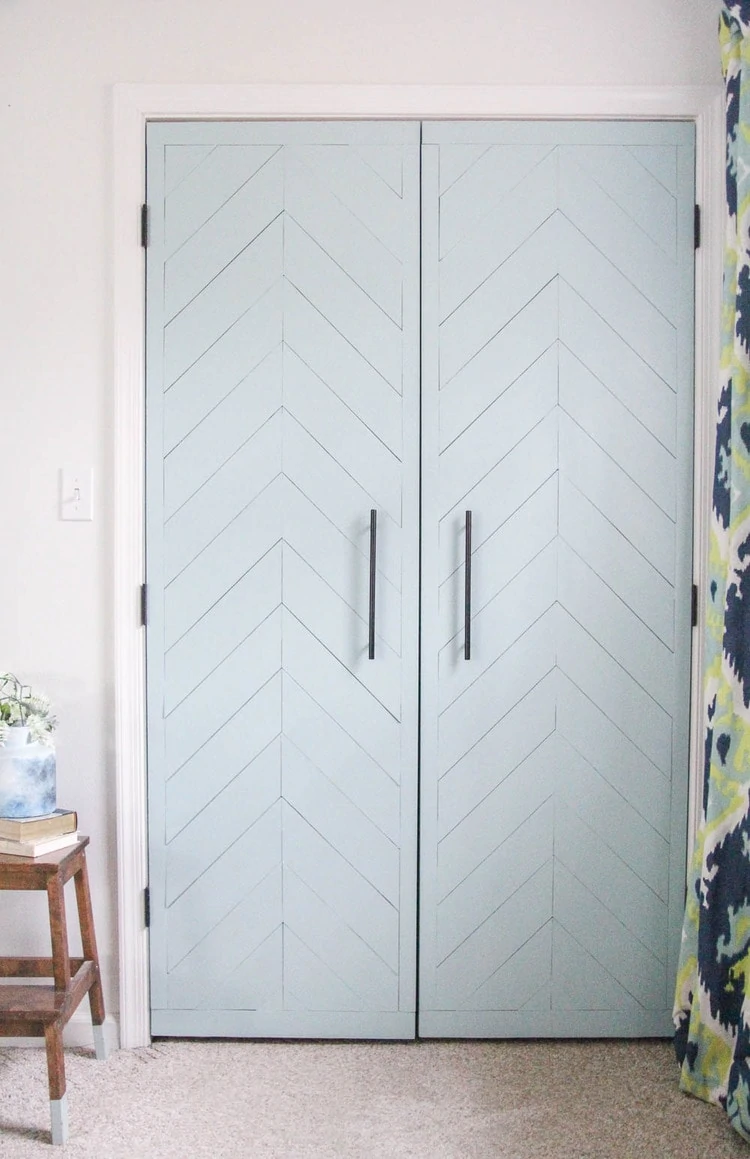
712	1002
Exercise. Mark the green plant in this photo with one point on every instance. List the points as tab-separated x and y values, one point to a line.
20	706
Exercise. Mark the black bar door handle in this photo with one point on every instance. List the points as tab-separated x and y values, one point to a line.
467	590
373	543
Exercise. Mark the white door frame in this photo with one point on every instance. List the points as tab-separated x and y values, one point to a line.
134	105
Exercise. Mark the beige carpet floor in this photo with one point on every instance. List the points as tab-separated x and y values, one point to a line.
429	1100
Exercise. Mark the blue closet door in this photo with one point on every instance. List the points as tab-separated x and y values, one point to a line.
282	408
557	403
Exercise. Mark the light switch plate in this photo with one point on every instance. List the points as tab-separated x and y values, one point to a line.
77	493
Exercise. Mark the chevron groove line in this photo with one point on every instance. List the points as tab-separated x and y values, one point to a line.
329	711
471	417
659	162
353	182
514	349
198	329
633	902
241	349
336	820
469	843
356	272
200	270
236	549
609	686
306	989
483	704
630	836
454	163
211	767
482	316
497	627
509	985
372	333
348	243
199	799
617	237
199	717
612	270
208	900
621	175
353	771
201	651
335	361
494	942
654	478
609	357
222	432
476	191
321	930
475	899
342	406
599	741
356	901
464	954
341	631
208	188
207	835
253	984
609	553
247	929
502	555
518	450
501	428
515	736
622	503
332	425
387	162
604	948
223	601
471	263
220	500
328	551
180	161
609	620
634	318
580	983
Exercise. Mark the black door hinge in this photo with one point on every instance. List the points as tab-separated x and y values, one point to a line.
144	226
694	607
144	605
147	907
697	227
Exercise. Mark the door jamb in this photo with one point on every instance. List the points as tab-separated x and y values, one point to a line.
134	106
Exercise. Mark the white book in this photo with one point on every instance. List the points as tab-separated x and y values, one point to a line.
37	848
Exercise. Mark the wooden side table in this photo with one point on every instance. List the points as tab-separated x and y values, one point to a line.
33	1010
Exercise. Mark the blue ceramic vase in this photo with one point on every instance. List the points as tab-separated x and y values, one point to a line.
27	776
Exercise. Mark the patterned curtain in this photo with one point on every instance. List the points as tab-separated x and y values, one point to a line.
712	1002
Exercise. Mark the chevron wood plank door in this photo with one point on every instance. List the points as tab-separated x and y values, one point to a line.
282	408
556	409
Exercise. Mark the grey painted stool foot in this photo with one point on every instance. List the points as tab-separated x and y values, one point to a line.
58	1109
100	1045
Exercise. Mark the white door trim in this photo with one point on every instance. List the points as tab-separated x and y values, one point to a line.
134	105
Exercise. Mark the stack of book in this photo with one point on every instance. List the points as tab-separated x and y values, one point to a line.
35	836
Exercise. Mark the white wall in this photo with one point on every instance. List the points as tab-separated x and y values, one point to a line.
58	62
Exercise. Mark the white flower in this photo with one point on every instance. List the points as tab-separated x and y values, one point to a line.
20	705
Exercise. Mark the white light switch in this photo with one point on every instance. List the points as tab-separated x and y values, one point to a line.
77	493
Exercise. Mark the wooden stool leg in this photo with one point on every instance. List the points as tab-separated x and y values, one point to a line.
88	941
58	1099
58	931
